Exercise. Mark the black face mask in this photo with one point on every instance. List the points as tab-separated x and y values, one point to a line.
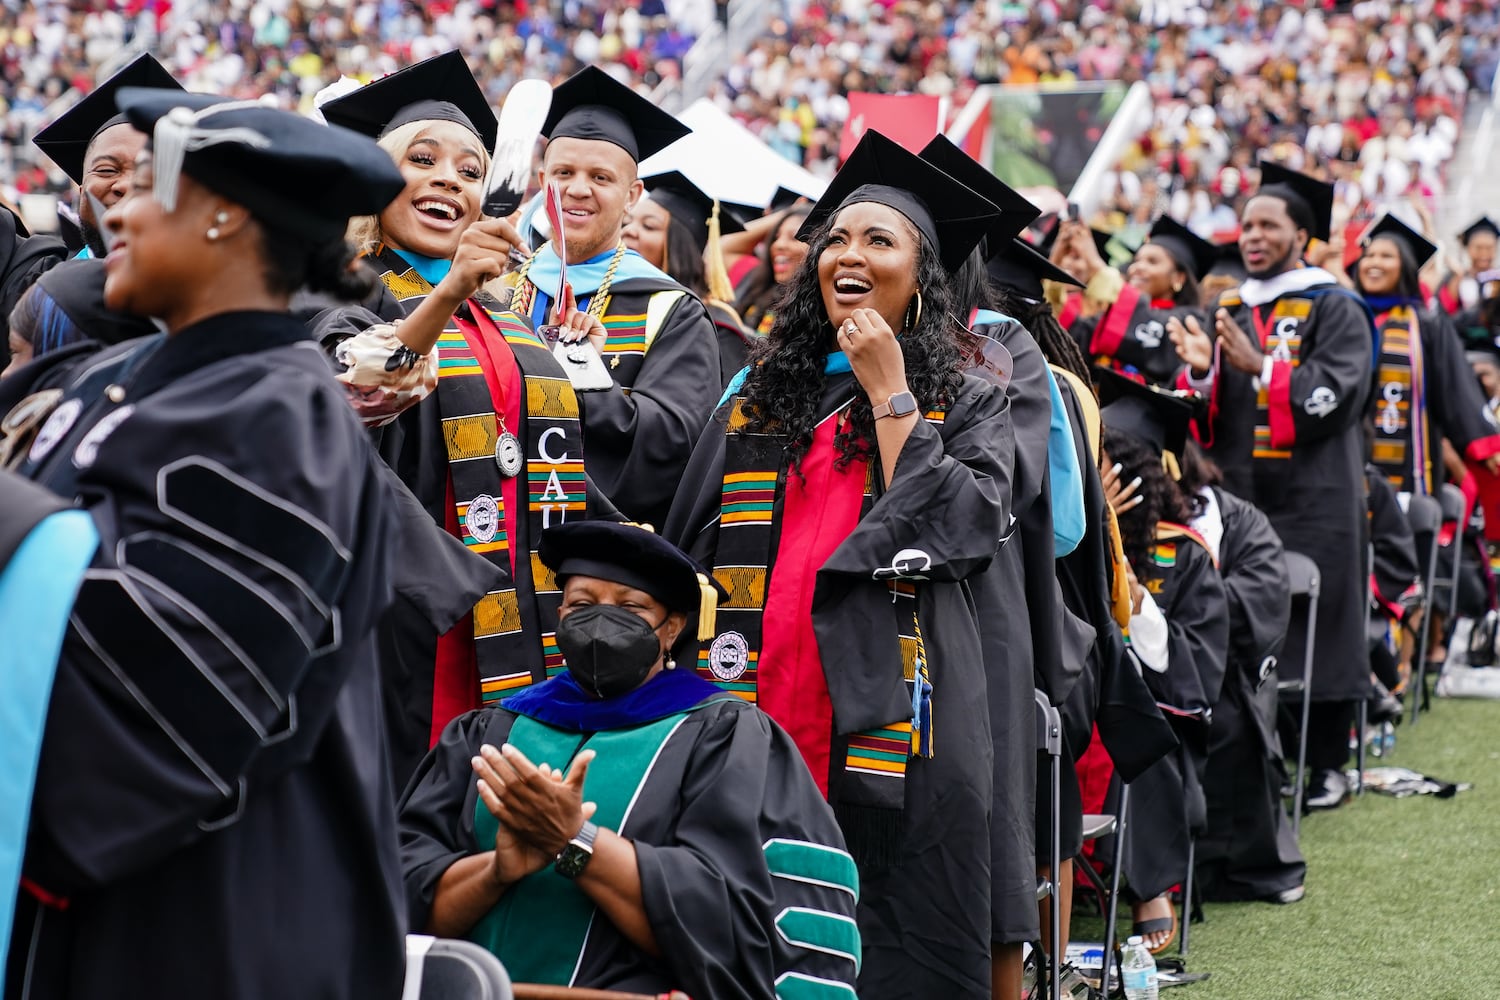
609	650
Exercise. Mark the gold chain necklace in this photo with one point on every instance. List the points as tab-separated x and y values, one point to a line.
597	304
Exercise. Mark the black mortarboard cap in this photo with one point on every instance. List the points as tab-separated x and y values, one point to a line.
689	206
1192	252
77	287
1421	248
1157	416
1316	196
946	212
591	104
783	199
438	89
1016	213
1019	268
66	141
1483	224
1229	262
1100	237
292	173
635	556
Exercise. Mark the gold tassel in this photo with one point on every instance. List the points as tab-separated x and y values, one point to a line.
708	607
714	270
1169	463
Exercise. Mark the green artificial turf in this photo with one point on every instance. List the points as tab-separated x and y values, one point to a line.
1403	895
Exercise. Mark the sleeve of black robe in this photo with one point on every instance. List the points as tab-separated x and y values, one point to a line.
435	816
1396	567
1253	568
208	612
639	439
1133	333
754	843
1197	617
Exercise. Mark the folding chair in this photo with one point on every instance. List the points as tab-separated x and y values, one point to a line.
1452	502
1362	707
1425	515
1095	827
1049	741
1306	582
444	969
534	991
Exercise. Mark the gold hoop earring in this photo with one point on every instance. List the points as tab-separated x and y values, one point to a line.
912	323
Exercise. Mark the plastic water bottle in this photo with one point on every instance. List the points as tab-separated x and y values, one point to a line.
1138	969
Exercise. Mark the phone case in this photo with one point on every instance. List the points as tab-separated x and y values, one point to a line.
584	366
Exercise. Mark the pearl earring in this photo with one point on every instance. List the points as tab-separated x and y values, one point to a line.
213	231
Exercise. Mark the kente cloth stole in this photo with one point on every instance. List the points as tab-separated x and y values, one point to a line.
407	286
872	764
1279	333
554	489
541	925
1400	450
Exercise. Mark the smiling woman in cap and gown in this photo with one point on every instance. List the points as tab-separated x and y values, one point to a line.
661	349
676	227
686	846
1159	286
211	799
1288	367
846	489
1463	292
475	415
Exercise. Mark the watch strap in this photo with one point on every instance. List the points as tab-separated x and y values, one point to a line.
898	405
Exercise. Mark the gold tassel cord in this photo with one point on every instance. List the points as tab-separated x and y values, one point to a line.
1169	464
708	607
715	271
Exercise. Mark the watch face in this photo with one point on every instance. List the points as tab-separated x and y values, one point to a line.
572	861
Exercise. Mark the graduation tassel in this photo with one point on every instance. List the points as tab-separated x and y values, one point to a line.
715	273
1169	464
921	700
708	607
176	134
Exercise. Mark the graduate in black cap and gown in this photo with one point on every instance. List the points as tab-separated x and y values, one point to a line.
1424	392
844	493
1022	620
1178	632
211	807
677	227
661	349
1160	285
685	848
476	416
1462	292
1247	850
1288	367
66	307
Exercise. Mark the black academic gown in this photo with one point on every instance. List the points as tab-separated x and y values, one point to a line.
1019	613
23	259
1166	800
727	784
1395	567
925	919
641	431
217	686
1455	406
1248	850
1132	333
734	340
1312	487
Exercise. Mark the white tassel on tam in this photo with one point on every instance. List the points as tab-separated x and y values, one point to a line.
177	133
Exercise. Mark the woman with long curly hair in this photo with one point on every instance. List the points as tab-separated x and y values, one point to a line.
846	489
759	293
1179	628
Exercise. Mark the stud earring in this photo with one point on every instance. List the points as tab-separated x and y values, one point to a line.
212	234
213	231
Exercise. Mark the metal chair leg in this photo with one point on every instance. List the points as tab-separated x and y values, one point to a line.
1111	911
1362	719
1058	956
1187	897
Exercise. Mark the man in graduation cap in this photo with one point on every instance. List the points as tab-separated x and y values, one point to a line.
96	146
661	349
1288	365
684	845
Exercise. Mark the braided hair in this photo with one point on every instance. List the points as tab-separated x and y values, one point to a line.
1056	343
